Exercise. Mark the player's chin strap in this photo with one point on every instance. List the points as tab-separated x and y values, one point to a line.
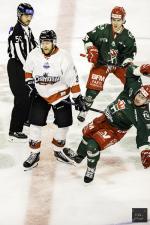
91	109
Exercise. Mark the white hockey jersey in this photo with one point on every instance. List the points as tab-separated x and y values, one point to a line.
55	76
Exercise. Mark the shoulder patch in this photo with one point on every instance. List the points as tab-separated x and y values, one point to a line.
11	30
130	34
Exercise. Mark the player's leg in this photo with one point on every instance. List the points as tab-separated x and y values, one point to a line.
97	136
121	74
63	119
87	148
38	116
90	95
93	155
34	147
94	85
88	130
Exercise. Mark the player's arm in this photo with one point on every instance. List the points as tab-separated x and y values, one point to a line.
129	51
17	41
28	68
145	155
72	81
143	136
89	43
137	71
142	70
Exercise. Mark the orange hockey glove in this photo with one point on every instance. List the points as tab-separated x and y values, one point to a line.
92	54
145	69
145	158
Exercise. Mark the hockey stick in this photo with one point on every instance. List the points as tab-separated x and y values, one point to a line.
83	55
91	109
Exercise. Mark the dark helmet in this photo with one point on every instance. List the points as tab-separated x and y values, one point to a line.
48	35
24	8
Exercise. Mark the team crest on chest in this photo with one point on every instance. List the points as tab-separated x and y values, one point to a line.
46	65
113	44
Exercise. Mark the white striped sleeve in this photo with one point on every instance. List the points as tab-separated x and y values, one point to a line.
18	51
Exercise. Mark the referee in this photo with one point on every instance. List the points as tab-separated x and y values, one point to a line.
20	42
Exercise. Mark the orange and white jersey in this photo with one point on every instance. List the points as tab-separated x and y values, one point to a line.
55	76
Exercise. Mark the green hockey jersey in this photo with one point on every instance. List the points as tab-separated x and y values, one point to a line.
112	51
123	114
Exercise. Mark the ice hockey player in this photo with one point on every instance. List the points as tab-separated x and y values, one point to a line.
111	48
130	108
20	42
51	76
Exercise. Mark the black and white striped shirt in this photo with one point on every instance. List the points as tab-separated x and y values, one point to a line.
20	42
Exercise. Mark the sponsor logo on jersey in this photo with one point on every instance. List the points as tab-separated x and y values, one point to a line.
146	115
98	77
45	79
46	65
104	40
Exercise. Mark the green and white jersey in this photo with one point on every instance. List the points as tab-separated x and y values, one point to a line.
123	114
111	50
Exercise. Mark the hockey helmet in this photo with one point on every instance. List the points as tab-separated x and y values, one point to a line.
24	9
118	13
145	90
48	35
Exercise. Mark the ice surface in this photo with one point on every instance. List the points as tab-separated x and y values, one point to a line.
54	193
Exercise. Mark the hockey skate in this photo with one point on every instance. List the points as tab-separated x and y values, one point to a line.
61	157
81	116
17	137
69	153
32	161
89	175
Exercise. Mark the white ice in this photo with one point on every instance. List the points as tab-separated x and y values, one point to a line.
54	193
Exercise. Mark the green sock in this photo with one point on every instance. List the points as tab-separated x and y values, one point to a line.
82	148
90	95
93	153
89	147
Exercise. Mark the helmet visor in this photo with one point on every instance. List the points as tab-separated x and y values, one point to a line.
28	12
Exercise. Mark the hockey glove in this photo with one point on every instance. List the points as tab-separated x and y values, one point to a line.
31	88
92	54
145	158
80	103
145	69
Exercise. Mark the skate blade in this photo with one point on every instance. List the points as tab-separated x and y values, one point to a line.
17	140
69	163
32	167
